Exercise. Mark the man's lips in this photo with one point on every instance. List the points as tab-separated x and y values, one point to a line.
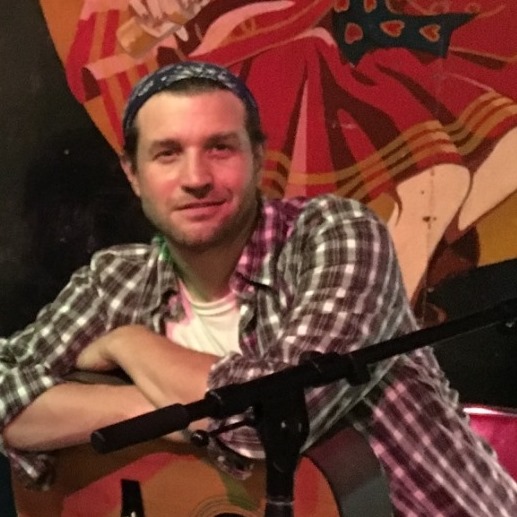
199	205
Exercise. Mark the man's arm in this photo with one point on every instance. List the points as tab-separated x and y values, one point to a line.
166	373
66	415
36	360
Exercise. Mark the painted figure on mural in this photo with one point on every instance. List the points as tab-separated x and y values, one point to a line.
406	101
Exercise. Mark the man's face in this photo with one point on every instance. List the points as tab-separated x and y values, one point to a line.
196	172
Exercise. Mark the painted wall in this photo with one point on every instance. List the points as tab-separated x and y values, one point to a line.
408	106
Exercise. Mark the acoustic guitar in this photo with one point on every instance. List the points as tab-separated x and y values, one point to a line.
338	476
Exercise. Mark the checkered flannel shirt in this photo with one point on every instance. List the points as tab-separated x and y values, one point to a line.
317	274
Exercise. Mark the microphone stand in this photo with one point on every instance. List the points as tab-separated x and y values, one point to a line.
278	403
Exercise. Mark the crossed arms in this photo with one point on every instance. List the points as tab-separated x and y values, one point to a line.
66	414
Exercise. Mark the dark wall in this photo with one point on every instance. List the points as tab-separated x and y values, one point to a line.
62	194
481	364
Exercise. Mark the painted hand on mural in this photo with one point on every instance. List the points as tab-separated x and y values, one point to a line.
155	20
157	12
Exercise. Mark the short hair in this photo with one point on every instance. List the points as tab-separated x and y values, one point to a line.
189	78
195	86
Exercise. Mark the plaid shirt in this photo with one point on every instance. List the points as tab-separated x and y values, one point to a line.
316	275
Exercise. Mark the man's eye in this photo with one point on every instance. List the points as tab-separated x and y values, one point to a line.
222	149
166	153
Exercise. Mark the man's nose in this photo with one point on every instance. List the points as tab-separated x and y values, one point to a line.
197	176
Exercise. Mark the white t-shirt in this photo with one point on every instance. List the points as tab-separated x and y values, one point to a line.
210	327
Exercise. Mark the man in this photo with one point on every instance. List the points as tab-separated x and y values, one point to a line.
236	287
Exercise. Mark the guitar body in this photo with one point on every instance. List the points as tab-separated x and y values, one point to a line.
339	476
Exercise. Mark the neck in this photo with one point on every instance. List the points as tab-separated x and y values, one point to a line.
206	275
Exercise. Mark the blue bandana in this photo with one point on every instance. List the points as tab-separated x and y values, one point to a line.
163	77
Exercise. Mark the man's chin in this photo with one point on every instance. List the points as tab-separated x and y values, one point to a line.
205	235
200	242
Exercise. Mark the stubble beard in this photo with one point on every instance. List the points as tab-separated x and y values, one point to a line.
223	234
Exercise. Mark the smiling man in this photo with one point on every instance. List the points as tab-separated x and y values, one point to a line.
235	287
197	172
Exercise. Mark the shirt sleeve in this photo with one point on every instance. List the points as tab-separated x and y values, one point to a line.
36	359
344	293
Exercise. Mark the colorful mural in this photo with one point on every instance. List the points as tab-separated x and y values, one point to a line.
406	105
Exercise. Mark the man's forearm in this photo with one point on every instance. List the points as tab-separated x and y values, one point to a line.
166	373
169	374
67	414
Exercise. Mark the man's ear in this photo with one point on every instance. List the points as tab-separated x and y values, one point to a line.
129	169
258	159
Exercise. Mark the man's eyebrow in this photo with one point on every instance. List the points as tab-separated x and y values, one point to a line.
168	143
165	142
231	136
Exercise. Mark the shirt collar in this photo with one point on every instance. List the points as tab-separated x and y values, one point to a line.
167	280
257	264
